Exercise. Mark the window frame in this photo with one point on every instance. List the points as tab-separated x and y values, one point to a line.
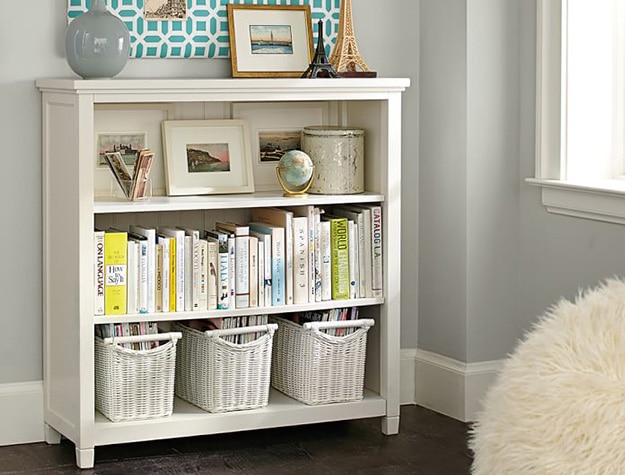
600	200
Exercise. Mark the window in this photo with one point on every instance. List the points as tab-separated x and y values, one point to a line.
580	141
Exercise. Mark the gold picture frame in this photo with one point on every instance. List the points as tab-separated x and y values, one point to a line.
270	40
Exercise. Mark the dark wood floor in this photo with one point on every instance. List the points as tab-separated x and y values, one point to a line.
428	443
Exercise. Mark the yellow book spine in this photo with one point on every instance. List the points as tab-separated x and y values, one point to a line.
115	288
339	247
172	275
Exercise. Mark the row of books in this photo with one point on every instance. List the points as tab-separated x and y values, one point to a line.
225	323
283	256
130	329
331	315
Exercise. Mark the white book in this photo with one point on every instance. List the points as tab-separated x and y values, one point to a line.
164	241
253	270
312	213
203	283
212	273
261	273
367	254
194	280
132	277
142	265
277	245
373	228
284	219
231	271
223	267
178	235
98	272
326	260
150	234
188	273
242	261
264	238
317	259
301	276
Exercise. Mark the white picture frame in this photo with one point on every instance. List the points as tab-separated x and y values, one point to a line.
270	40
204	157
132	119
275	117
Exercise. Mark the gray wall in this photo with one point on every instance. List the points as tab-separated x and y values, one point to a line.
491	258
31	32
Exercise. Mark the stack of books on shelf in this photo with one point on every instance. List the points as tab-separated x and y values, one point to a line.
225	323
332	315
282	256
129	329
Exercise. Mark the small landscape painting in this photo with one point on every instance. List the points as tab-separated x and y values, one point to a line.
165	9
128	144
271	39
273	144
213	157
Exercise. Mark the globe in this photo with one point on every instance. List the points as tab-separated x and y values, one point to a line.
295	172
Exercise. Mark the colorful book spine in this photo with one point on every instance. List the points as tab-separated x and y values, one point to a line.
212	274
98	272
265	281
339	247
203	284
223	268
158	282
242	261
179	254
278	288
115	249
194	280
164	241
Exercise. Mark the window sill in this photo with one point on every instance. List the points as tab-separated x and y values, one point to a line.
599	201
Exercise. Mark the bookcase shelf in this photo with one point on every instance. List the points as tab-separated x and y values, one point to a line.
72	207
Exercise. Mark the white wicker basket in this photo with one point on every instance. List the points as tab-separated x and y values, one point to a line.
316	368
220	376
135	384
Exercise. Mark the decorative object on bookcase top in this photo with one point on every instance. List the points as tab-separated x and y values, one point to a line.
338	156
345	56
320	67
295	173
97	43
135	186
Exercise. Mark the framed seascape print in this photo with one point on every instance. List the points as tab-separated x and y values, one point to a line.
126	128
276	128
205	157
269	40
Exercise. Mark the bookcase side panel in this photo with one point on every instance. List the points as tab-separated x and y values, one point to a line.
66	218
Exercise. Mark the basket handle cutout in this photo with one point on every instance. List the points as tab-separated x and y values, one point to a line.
173	336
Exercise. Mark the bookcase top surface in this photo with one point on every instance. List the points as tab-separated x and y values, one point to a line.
272	86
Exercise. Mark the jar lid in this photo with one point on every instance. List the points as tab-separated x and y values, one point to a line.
333	130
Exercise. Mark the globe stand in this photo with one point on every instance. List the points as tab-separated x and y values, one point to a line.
300	192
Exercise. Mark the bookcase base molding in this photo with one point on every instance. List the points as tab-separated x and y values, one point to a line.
73	112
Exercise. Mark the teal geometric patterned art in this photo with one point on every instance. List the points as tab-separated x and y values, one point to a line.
204	33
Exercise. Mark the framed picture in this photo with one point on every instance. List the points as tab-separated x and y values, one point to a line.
129	126
207	157
276	128
269	40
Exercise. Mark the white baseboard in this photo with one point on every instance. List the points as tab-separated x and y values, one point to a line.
407	376
452	387
21	413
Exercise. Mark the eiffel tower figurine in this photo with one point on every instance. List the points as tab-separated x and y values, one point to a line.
320	67
345	56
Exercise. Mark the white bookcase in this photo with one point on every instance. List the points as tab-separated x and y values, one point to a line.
71	210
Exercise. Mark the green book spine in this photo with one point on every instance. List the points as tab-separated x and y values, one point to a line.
339	247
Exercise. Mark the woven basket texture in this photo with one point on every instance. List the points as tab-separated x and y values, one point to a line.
316	368
134	384
220	376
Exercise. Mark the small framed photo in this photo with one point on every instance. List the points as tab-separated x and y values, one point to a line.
270	40
205	157
276	128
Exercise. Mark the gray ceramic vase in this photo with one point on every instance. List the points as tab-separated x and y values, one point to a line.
97	43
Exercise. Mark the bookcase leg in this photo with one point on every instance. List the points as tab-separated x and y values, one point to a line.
50	435
390	425
85	457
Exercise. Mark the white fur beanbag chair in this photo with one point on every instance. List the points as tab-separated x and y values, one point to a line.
558	406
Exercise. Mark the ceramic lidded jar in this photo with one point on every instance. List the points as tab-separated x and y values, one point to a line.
338	156
97	43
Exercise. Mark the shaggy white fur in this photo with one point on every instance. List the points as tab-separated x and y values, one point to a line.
558	406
